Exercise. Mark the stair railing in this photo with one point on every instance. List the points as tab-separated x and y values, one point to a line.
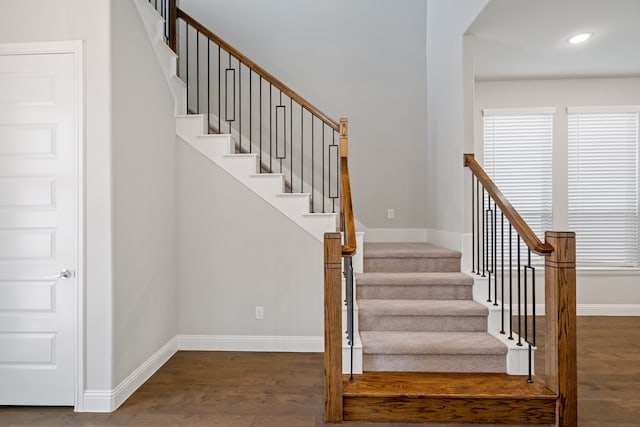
492	214
290	136
338	252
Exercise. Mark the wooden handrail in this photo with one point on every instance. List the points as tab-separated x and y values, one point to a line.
520	225
346	209
258	70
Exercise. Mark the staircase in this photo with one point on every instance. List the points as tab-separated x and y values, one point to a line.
416	313
245	167
427	356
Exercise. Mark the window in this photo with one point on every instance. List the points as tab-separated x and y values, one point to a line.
517	157
603	185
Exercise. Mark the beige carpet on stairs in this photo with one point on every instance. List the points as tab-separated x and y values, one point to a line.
416	313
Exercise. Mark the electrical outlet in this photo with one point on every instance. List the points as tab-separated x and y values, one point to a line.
259	312
391	213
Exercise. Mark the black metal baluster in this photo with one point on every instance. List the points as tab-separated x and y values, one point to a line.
228	71
283	109
250	110
313	206
526	325
495	254
350	304
473	228
526	320
301	149
260	126
333	195
488	250
219	90
478	228
510	281
533	298
502	269
197	72
291	143
323	177
187	62
208	85
519	296
240	104
270	128
484	238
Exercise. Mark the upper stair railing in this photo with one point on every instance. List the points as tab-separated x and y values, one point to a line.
512	282
289	134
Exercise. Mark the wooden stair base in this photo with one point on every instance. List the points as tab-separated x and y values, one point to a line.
447	398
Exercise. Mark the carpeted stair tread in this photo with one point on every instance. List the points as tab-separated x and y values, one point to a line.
432	343
409	257
407	250
398	307
412	285
417	278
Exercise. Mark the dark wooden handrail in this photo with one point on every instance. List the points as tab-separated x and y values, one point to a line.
520	225
258	69
346	209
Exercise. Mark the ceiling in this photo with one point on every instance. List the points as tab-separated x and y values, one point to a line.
525	39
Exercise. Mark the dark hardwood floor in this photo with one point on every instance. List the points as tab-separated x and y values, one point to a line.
285	389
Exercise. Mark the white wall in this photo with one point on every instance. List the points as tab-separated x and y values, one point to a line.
144	202
595	287
360	59
43	20
237	252
447	21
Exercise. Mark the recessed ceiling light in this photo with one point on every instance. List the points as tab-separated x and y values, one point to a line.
580	38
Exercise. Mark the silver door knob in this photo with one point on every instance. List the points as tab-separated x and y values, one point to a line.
64	274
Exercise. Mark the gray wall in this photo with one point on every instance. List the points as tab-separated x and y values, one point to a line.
447	21
236	252
360	59
44	20
144	205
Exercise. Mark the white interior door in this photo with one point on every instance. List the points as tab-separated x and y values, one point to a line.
38	228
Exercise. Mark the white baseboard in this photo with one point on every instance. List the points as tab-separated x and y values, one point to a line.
608	309
110	400
303	344
96	401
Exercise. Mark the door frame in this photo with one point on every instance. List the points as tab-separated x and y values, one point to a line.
75	48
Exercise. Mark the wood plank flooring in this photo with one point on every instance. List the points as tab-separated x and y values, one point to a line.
285	389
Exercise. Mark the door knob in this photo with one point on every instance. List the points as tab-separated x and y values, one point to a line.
64	274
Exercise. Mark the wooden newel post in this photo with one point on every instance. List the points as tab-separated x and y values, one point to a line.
332	328
560	318
344	138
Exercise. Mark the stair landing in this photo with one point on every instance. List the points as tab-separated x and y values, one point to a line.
448	397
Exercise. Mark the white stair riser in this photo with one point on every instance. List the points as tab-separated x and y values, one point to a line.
267	184
240	166
294	202
190	127
357	357
245	168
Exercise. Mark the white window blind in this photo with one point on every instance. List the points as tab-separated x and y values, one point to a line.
603	186
517	157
